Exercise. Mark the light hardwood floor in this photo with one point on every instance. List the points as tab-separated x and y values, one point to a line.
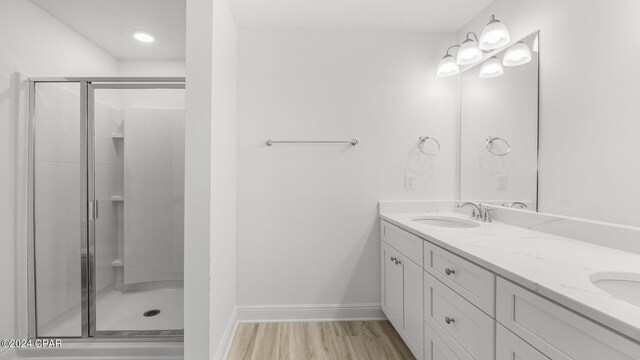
331	340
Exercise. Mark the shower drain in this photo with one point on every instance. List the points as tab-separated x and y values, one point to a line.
151	313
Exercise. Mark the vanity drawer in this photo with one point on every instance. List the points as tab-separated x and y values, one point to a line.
405	242
466	330
557	332
435	348
510	347
472	282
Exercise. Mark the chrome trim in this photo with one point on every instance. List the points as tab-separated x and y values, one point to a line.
109	79
31	225
88	303
139	86
86	196
353	142
422	140
138	333
491	139
120	338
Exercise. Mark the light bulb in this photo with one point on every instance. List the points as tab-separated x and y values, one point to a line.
491	68
143	36
469	53
517	54
495	35
447	67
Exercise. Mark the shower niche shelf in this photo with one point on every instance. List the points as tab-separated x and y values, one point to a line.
117	136
117	198
117	263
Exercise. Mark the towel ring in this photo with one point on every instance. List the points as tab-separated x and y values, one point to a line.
491	139
422	140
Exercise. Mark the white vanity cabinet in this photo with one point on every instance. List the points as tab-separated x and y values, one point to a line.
446	307
558	333
402	291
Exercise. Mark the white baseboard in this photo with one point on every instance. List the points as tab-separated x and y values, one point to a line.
309	312
227	338
8	354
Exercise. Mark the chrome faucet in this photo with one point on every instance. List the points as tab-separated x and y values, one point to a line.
486	215
516	203
477	212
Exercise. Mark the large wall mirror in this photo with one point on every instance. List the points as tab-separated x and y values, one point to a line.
499	127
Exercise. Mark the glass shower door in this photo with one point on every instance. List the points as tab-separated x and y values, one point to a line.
59	216
137	243
106	208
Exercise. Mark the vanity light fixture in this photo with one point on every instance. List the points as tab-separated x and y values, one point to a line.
448	65
517	54
143	36
469	52
491	68
495	35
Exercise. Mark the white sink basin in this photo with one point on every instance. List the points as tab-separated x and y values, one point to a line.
445	221
623	286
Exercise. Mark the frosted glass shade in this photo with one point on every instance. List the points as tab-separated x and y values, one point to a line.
491	68
517	54
447	67
495	35
469	53
535	44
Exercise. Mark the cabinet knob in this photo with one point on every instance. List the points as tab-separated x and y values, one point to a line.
449	271
398	262
448	320
393	259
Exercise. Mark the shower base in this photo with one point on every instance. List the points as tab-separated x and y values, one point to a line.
123	311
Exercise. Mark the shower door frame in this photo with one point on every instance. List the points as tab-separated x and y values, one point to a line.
89	206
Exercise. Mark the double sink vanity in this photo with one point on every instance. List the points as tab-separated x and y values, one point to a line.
458	288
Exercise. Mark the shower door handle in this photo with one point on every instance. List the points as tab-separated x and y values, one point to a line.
93	210
97	207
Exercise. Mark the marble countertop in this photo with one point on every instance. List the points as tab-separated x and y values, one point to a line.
555	267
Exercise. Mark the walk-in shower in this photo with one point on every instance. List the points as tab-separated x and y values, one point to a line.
106	208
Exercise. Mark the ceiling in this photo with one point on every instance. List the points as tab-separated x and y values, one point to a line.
409	15
109	23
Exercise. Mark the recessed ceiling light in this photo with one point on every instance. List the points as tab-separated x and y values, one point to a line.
143	36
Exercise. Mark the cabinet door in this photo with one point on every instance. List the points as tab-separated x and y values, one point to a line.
435	349
391	286
413	320
509	347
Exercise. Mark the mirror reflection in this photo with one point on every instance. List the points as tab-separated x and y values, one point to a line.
499	127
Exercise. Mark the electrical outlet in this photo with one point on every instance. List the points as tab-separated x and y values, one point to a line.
410	181
502	182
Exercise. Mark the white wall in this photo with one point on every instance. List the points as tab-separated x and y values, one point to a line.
156	68
588	106
210	178
223	174
33	43
307	215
